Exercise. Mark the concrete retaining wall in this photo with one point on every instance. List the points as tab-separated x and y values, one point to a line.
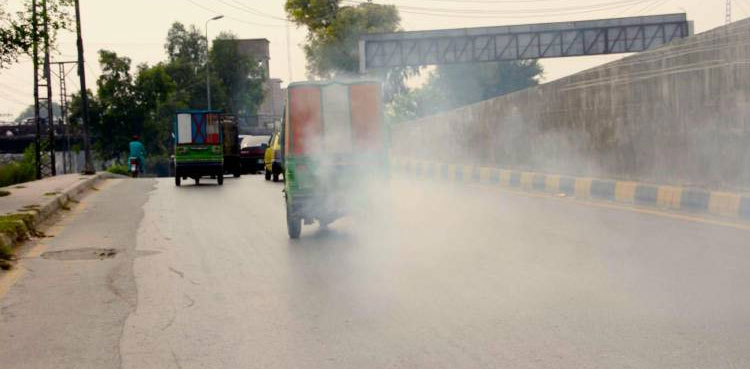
679	114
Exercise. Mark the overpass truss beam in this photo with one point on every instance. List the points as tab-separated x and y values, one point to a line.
552	40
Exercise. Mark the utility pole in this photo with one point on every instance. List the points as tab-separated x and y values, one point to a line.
62	76
35	61
45	161
47	77
208	63
88	167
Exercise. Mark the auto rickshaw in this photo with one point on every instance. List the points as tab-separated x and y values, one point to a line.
198	146
333	148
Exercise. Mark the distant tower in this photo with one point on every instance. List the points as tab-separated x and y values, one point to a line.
729	12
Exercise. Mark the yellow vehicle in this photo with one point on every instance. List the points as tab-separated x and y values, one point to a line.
273	163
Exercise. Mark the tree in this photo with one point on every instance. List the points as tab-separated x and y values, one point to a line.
29	112
314	14
333	37
154	92
452	86
186	53
186	44
75	116
334	31
121	116
239	76
16	34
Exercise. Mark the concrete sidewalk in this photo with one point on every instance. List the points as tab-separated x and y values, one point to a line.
33	202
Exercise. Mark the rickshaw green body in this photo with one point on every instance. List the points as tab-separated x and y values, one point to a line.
200	151
345	153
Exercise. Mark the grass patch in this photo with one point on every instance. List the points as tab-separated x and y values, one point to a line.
20	187
51	193
16	227
119	169
6	252
4	193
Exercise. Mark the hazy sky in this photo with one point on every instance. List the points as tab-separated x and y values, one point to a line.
137	29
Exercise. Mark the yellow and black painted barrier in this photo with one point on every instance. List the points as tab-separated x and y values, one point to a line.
724	204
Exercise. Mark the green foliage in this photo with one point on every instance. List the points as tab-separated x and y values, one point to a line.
119	169
16	172
17	228
143	102
6	253
314	14
453	86
334	31
186	44
240	77
16	35
19	171
120	117
332	47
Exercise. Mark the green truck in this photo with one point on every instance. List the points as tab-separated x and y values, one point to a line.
198	146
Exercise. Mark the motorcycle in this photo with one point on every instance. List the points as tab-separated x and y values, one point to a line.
134	167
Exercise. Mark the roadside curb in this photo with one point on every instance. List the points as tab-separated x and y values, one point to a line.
686	199
16	226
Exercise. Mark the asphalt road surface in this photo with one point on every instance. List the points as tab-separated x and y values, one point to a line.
435	277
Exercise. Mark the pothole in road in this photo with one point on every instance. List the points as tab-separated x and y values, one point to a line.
80	254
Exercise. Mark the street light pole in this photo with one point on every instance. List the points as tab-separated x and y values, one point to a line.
208	63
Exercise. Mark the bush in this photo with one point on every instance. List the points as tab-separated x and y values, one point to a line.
19	171
16	172
119	169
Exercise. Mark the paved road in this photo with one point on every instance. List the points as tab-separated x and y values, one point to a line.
438	277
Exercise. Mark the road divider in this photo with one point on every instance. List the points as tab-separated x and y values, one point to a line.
687	199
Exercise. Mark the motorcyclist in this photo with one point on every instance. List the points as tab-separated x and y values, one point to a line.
138	151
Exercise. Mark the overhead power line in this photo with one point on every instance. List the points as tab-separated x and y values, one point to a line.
515	13
518	11
213	11
248	9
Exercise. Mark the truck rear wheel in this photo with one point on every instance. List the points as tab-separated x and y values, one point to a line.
177	180
220	179
293	223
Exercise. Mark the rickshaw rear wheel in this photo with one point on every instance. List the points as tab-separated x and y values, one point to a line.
177	181
293	223
197	180
220	179
268	175
276	177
